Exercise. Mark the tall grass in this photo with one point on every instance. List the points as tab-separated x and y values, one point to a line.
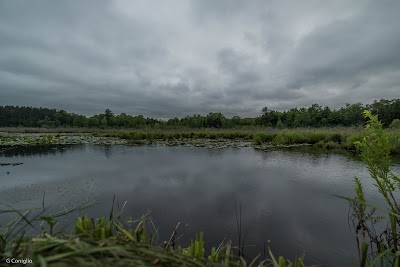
375	246
329	138
114	242
166	135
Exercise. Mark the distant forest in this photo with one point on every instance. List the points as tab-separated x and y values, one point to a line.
313	116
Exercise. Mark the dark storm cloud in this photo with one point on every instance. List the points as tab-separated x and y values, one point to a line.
162	59
364	45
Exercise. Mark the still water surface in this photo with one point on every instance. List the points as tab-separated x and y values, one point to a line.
287	197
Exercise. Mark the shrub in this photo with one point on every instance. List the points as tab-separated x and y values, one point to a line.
264	137
335	137
375	151
257	139
350	141
279	139
295	137
395	124
316	137
331	145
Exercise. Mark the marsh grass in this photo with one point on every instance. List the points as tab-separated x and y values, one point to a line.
177	135
345	138
327	138
113	241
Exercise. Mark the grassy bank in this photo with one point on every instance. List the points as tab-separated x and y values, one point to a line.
343	138
328	138
74	130
110	242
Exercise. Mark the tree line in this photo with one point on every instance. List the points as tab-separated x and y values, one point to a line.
314	116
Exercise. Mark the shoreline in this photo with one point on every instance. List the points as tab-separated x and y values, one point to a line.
329	139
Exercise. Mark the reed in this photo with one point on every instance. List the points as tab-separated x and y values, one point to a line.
111	242
328	138
376	246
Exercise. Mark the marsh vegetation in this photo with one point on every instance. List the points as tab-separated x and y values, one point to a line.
326	138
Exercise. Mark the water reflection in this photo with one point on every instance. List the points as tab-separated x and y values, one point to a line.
287	196
107	151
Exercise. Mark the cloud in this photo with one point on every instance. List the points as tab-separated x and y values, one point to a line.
163	60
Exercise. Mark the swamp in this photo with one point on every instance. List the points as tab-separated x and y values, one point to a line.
286	195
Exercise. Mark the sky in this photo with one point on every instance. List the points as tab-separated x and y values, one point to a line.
175	58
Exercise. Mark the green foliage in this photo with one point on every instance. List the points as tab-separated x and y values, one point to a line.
268	117
113	242
395	124
335	137
328	145
196	248
215	120
263	137
294	137
101	242
80	121
257	139
316	137
360	206
375	149
313	116
279	124
282	262
386	110
98	229
108	116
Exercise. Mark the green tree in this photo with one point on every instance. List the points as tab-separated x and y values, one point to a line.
108	114
235	121
315	113
268	117
215	120
279	124
302	118
93	122
80	121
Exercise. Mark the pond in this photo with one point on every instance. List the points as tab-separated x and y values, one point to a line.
287	197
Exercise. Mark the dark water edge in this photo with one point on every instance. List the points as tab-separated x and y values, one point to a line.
286	195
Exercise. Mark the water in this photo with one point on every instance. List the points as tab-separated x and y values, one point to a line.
287	197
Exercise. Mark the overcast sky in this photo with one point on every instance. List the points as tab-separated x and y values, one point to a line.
175	58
